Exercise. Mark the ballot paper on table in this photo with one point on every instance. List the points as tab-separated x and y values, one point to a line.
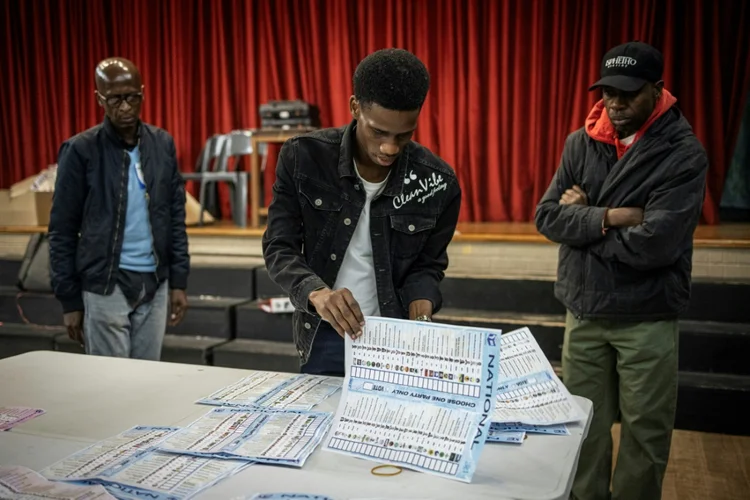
288	496
418	395
514	437
163	476
99	457
301	393
11	416
275	390
253	434
528	390
558	430
20	483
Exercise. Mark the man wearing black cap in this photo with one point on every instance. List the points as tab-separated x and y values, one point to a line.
623	205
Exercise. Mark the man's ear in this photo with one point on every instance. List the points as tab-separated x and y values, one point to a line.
98	98
354	107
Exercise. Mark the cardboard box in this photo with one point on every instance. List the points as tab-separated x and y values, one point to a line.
193	212
28	202
28	209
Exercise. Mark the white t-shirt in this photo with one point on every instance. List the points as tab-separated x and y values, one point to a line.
357	271
628	140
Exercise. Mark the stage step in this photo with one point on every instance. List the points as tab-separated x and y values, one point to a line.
18	338
709	346
256	324
257	355
9	272
209	317
709	402
711	300
234	282
716	300
519	296
264	287
176	348
23	307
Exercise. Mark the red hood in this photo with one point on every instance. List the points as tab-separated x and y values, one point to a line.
601	129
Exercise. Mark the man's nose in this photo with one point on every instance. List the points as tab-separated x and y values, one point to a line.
617	102
125	105
389	148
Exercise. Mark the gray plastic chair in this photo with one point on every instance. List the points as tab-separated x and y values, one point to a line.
205	166
211	168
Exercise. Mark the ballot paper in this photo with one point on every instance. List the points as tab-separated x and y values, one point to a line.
11	416
288	496
528	391
257	435
101	456
513	437
301	393
418	395
20	483
276	390
247	391
559	430
164	476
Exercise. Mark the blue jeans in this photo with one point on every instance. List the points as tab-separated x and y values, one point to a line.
327	353
112	327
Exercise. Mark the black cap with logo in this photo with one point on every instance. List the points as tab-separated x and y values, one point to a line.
630	66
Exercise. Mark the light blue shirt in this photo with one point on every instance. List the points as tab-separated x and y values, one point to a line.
137	246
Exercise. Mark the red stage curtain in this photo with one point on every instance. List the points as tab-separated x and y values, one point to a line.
509	77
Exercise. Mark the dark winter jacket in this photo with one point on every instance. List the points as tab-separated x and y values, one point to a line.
87	221
634	273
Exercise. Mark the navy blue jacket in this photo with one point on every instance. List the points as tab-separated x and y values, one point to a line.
87	221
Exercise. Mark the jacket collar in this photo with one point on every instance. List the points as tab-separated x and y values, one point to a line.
395	184
113	136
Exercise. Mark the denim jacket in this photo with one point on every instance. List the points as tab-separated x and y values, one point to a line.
317	201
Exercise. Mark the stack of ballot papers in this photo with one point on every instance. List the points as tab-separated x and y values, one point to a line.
530	397
418	395
275	390
11	416
129	465
263	418
255	435
20	483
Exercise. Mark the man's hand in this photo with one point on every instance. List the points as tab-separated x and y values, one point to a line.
340	309
623	217
574	196
74	323
178	305
420	307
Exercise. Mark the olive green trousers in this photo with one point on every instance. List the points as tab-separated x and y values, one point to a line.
630	370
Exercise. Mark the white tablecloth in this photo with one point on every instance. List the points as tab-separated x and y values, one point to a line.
89	398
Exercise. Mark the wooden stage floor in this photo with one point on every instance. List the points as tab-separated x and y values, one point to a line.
729	235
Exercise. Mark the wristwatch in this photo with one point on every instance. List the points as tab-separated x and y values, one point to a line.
424	317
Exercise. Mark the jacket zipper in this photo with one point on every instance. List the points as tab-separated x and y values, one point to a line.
151	231
117	224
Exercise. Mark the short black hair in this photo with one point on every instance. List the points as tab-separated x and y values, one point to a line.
393	78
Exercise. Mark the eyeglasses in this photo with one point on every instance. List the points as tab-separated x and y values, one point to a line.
114	101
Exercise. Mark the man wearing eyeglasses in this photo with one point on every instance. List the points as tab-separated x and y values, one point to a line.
118	247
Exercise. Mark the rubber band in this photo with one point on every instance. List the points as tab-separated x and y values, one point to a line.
398	470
